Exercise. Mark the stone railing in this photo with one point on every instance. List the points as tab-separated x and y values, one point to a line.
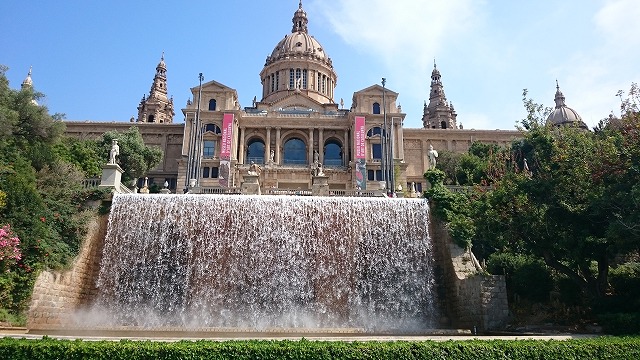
287	192
123	189
216	190
91	183
357	193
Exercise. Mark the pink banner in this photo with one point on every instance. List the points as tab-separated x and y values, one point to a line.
359	137
225	151
360	147
227	135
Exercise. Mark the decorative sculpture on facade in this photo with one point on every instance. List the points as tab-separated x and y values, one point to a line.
433	155
254	169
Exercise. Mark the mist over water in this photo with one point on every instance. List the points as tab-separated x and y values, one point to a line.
266	262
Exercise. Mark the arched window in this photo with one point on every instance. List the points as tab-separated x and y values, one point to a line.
332	153
212	105
376	108
255	151
295	152
443	125
150	118
212	128
374	131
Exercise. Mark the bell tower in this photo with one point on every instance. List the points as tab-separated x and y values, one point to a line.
157	108
439	114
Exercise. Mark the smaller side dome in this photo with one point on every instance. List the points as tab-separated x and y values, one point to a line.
563	115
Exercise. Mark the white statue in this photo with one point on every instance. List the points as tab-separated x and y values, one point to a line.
432	157
254	169
272	156
115	151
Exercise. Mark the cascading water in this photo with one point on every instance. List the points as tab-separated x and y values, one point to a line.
267	262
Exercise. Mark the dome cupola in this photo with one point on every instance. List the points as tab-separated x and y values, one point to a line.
563	115
298	63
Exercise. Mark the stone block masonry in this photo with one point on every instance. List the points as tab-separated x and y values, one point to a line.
57	295
474	300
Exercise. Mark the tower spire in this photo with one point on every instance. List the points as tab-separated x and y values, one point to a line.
559	98
157	107
300	20
439	113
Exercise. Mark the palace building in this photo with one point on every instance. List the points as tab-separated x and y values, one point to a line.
295	127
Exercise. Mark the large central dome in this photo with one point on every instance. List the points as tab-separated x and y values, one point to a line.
298	63
298	41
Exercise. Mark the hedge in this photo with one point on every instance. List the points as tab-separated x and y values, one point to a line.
596	348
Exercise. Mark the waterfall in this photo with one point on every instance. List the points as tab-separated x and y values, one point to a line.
267	262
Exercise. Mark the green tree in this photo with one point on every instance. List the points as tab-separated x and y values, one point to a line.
41	193
559	207
136	158
86	154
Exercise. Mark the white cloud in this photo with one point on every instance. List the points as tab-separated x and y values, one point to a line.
618	21
406	35
595	74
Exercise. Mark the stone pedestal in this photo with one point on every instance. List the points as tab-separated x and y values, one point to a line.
251	185
111	177
320	185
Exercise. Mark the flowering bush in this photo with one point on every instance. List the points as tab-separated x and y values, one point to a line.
9	248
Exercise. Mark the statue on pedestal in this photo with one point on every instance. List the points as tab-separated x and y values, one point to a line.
115	151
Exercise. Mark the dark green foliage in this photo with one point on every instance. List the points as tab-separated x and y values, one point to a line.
592	349
85	154
620	323
452	208
527	277
625	280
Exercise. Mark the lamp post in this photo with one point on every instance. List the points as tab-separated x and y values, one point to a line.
199	134
193	161
384	160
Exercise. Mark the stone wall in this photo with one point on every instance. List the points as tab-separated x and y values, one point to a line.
56	295
473	299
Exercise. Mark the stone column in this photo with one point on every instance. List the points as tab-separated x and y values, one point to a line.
321	145
241	145
400	140
345	149
278	145
267	147
310	152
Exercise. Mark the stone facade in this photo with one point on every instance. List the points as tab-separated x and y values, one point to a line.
296	116
58	295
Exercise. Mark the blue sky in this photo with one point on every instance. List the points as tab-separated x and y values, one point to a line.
95	59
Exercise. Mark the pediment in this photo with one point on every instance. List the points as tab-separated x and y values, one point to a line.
375	89
296	101
213	86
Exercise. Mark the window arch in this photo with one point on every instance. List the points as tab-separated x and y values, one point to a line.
151	118
212	105
212	128
443	125
374	131
255	151
376	108
332	153
295	152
